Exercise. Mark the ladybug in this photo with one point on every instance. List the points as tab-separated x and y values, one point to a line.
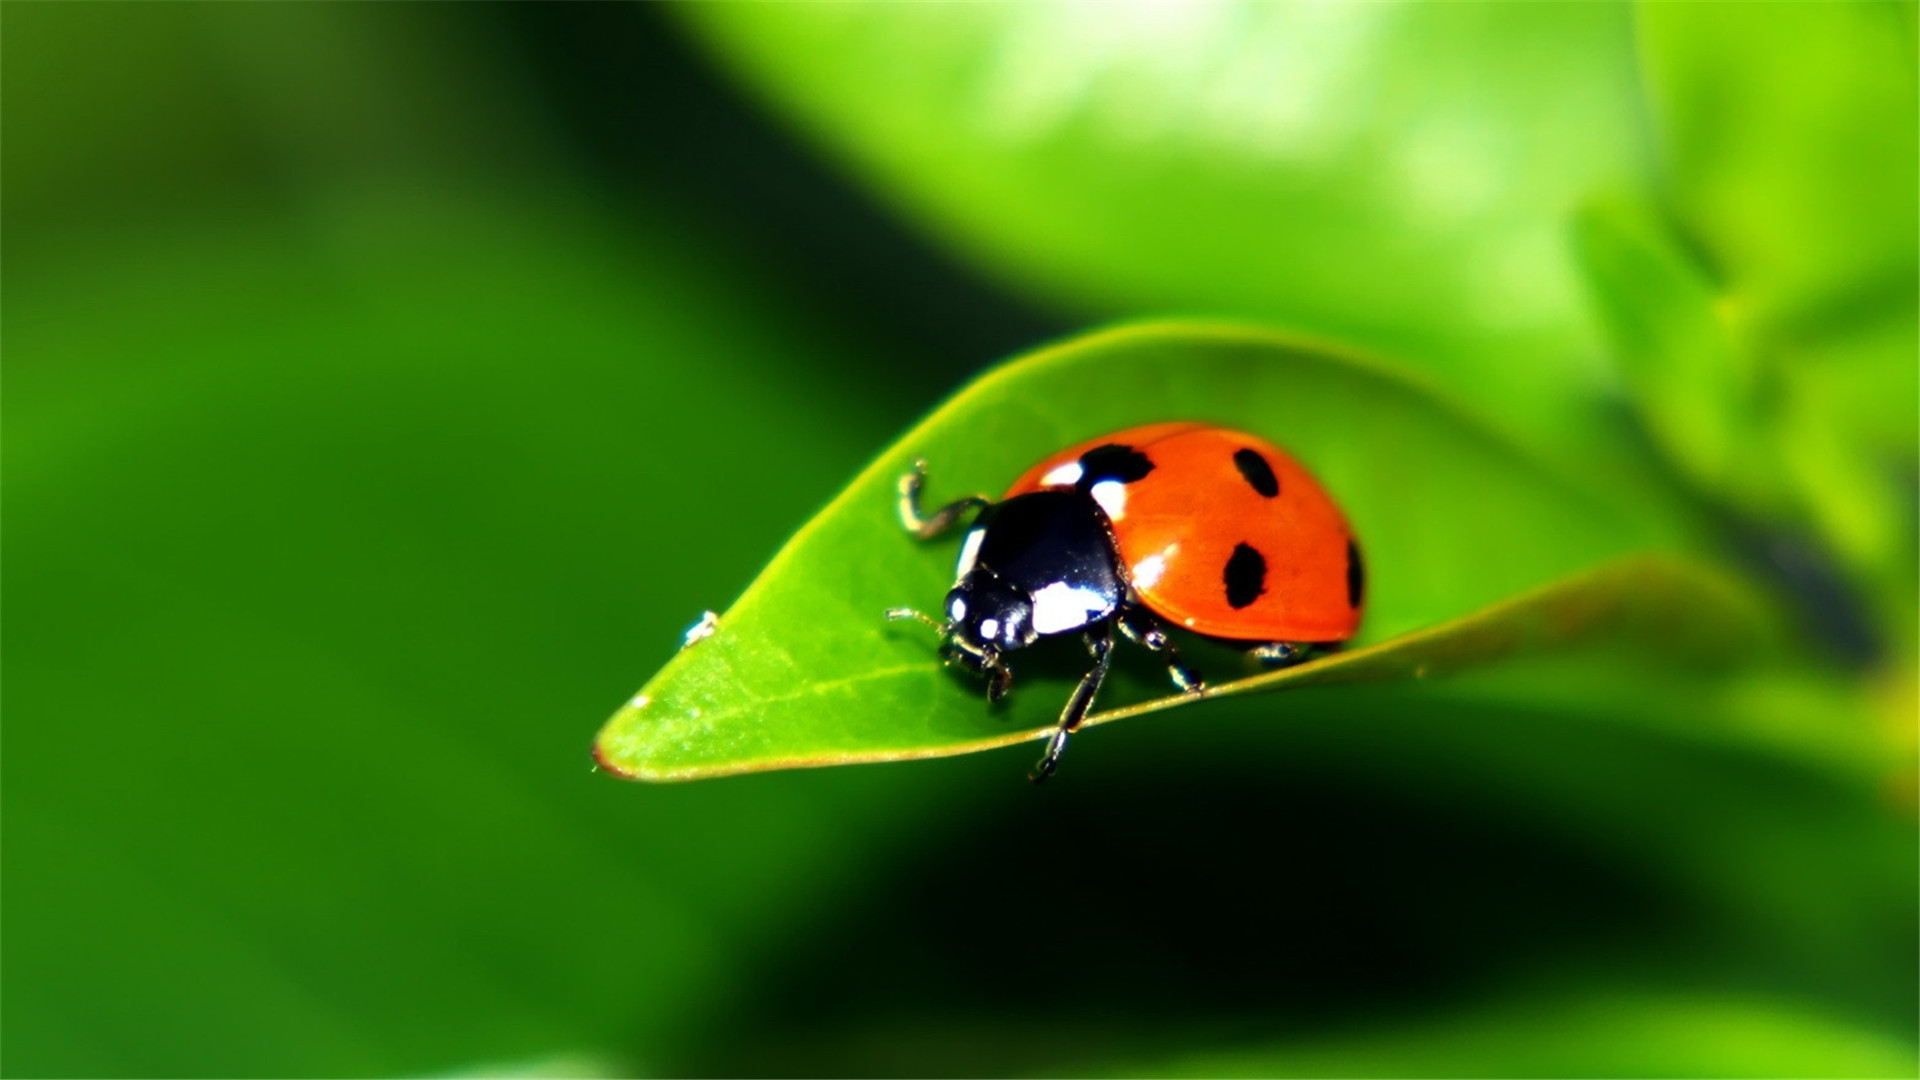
1184	524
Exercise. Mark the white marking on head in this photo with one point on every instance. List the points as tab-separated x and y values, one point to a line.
1062	475
989	628
957	610
1060	607
969	553
1112	497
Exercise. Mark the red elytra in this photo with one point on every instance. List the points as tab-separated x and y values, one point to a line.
1180	526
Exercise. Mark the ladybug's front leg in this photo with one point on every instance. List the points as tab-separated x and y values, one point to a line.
1100	644
926	527
1143	630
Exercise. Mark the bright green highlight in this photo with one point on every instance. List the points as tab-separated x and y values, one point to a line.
1397	175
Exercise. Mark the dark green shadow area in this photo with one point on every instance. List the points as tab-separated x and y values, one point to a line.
1280	873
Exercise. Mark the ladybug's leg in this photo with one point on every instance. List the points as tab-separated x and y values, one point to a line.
925	527
999	680
1279	653
1100	644
1142	629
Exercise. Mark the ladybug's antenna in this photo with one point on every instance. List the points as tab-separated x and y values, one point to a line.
898	613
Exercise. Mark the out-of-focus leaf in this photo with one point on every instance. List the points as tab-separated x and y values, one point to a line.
1790	137
1697	388
1791	146
322	541
1760	428
804	671
1395	175
1609	1035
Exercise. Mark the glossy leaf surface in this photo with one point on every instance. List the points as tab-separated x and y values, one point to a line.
804	671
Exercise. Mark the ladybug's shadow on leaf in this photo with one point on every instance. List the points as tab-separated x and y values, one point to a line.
1165	887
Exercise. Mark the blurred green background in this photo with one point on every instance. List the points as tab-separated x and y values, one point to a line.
387	387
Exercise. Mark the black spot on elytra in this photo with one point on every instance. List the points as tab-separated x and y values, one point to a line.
1246	576
1258	473
1113	462
1356	575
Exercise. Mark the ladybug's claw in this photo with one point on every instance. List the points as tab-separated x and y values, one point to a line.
1050	760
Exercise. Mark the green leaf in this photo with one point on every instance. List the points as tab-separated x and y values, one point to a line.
1594	1034
1783	437
1394	175
804	671
1791	145
279	519
1697	387
1790	139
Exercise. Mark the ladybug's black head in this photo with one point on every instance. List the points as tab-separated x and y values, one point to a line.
986	616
